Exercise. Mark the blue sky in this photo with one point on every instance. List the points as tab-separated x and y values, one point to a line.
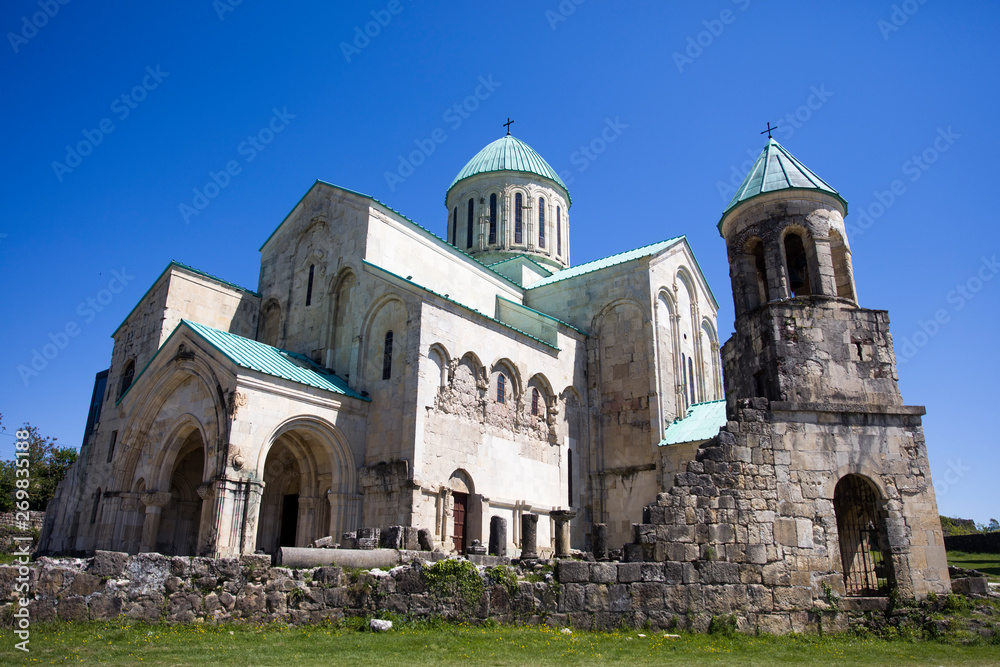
118	115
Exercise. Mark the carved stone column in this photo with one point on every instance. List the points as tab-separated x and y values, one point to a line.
562	519
154	503
529	537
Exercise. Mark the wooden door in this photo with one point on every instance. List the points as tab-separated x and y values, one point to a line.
458	531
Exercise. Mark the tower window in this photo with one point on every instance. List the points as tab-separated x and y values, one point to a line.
694	398
468	226
387	357
454	226
493	218
684	377
798	266
541	222
569	475
127	375
309	287
111	445
518	218
501	388
534	402
558	231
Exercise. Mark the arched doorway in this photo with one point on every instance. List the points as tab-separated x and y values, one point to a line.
861	527
180	521
466	508
309	490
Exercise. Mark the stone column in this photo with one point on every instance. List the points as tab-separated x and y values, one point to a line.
562	519
305	528
154	503
529	537
498	536
207	530
600	537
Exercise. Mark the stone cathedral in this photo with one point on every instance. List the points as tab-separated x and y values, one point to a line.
380	375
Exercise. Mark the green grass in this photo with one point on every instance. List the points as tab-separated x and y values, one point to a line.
118	643
988	564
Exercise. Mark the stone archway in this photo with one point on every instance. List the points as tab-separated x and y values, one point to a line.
862	537
180	519
309	489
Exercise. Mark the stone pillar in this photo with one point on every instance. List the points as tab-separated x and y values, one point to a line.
207	530
235	507
600	538
305	527
154	503
529	537
562	519
498	536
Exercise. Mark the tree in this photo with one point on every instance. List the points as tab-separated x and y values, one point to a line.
47	465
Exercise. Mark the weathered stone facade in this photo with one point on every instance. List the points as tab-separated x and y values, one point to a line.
406	383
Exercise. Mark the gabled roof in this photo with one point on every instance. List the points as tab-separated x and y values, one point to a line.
605	262
509	154
257	356
776	169
702	422
175	264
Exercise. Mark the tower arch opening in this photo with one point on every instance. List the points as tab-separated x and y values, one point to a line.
862	536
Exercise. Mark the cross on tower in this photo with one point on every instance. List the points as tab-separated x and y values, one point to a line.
509	122
769	129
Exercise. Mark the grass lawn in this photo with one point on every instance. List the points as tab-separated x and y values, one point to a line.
988	564
117	643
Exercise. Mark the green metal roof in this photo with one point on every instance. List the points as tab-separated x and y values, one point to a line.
257	356
509	154
776	169
604	263
702	422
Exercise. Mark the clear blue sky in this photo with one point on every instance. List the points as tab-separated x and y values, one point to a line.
863	96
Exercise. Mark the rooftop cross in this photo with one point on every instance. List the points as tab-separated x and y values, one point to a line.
509	122
768	130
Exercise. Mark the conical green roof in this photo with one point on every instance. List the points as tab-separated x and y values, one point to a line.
509	154
777	169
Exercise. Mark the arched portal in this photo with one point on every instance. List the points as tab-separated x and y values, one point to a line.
308	490
861	528
180	521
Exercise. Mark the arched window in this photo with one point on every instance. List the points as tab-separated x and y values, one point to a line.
454	226
694	398
309	286
127	376
558	231
518	218
541	222
534	401
501	388
387	357
684	377
798	266
468	224
760	267
493	218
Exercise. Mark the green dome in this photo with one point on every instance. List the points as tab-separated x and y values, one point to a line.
509	154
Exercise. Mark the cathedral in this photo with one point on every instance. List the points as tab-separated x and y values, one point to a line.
380	375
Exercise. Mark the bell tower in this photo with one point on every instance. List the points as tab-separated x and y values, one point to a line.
851	466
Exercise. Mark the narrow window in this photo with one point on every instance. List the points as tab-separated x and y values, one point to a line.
97	506
558	231
694	398
468	226
309	287
518	218
541	222
798	266
387	357
684	377
763	290
111	446
127	375
569	475
501	388
534	402
493	218
454	226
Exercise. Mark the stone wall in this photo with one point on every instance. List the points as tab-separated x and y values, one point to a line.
586	595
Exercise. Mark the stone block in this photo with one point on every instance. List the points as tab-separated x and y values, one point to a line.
596	598
971	585
785	532
573	598
108	564
619	599
603	573
572	571
629	572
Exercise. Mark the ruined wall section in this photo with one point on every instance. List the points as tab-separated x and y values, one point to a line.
813	350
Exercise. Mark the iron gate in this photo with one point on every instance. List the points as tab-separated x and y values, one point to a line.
865	566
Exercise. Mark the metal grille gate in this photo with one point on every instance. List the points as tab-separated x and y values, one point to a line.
865	566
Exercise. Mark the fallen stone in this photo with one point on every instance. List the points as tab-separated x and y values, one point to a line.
378	625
